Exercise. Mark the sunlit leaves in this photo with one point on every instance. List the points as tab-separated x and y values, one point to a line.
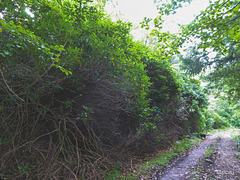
166	7
75	36
145	23
216	24
21	38
217	29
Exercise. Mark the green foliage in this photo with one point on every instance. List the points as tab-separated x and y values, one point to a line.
236	119
220	21
55	60
237	139
169	87
192	89
225	79
68	103
180	147
63	36
168	7
161	137
234	111
194	62
220	121
197	102
2	143
161	160
86	114
115	173
50	59
24	168
209	123
209	151
222	114
217	28
15	39
164	81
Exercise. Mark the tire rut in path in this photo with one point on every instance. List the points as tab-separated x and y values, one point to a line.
226	165
182	169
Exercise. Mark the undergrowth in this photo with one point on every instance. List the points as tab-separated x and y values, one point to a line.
79	96
237	139
154	164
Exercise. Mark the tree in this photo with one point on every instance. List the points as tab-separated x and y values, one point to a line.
77	90
195	61
217	28
167	7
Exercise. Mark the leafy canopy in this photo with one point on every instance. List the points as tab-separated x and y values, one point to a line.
218	30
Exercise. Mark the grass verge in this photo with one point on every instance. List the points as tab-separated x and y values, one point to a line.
237	139
159	161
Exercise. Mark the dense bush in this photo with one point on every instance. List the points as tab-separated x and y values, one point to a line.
223	113
220	121
196	102
165	86
77	90
236	119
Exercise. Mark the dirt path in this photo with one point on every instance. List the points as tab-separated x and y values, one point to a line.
222	163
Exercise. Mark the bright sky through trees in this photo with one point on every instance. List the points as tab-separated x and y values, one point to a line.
29	12
132	10
136	10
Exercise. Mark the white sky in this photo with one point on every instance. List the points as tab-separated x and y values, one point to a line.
136	10
29	12
132	10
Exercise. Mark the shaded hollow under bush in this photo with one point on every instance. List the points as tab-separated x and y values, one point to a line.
66	126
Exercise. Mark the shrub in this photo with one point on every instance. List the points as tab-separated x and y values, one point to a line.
219	121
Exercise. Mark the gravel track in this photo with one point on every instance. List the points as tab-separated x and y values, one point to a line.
222	164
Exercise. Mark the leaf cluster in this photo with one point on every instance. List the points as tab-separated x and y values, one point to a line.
83	81
217	30
168	7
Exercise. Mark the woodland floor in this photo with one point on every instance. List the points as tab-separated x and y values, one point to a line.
223	163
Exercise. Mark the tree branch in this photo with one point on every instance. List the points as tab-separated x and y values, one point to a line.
4	80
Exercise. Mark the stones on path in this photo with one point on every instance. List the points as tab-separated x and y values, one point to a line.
221	164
